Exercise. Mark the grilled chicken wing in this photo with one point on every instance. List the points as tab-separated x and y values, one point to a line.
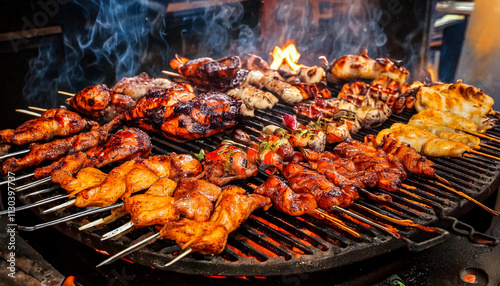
138	86
285	199
195	198
252	98
351	67
459	98
53	122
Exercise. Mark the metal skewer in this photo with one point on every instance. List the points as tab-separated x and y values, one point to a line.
39	203
33	184
130	249
70	217
110	218
14	154
55	187
180	256
17	179
28	112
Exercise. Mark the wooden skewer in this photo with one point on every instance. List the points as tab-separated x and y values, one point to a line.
443	180
28	112
337	222
485	155
492	138
172	74
65	93
464	195
37	108
489	147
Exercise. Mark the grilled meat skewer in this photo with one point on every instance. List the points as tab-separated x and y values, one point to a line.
53	122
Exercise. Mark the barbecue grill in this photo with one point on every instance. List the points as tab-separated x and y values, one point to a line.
273	243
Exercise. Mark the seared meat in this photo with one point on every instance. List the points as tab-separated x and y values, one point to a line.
304	180
464	100
123	145
449	119
56	149
53	122
203	116
285	91
390	172
351	67
227	163
361	91
446	133
285	199
232	209
138	86
194	199
252	98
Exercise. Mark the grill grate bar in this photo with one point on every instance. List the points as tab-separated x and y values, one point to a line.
261	239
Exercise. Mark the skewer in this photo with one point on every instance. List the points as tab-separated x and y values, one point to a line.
485	155
489	147
14	154
464	195
17	179
69	217
337	223
37	108
368	221
55	187
110	218
403	222
443	180
65	93
172	74
130	249
180	256
61	206
28	112
117	231
492	138
39	203
33	184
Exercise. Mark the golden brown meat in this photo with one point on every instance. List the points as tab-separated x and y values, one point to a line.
195	198
227	163
284	90
285	199
304	180
459	98
53	122
123	145
252	98
445	118
446	133
232	209
351	67
360	91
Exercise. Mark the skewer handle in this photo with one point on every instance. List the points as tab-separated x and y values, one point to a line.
485	155
172	74
28	112
37	108
67	218
65	93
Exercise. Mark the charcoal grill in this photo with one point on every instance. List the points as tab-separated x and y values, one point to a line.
273	243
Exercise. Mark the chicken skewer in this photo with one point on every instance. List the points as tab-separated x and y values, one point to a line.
427	143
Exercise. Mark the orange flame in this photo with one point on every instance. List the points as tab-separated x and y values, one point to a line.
288	55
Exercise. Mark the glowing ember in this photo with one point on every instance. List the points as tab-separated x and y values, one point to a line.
470	278
69	281
288	55
101	251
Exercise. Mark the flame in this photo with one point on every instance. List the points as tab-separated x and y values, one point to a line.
69	281
431	68
288	55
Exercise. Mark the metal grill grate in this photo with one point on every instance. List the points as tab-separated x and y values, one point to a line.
272	243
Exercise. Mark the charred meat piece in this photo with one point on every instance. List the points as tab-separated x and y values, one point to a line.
123	145
252	98
204	116
285	199
409	157
53	122
232	209
208	73
304	180
227	163
56	149
360	91
138	86
390	172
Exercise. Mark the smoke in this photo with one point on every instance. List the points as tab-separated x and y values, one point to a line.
103	42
